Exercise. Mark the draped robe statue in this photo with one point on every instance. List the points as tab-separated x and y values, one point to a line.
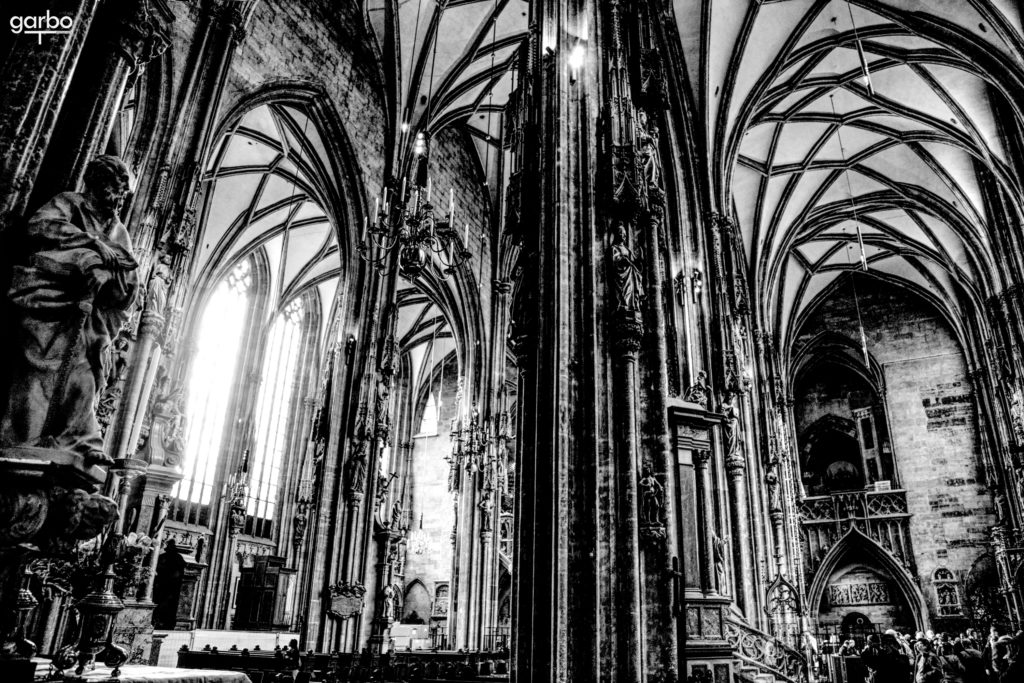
626	271
72	284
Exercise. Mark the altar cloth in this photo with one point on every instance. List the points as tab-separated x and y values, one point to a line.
134	673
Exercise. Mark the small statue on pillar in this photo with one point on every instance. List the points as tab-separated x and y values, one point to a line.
72	284
651	491
626	271
389	603
355	468
158	286
486	512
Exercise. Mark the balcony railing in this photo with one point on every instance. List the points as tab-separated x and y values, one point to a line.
881	515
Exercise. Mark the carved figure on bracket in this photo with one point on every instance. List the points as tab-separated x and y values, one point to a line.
771	480
731	428
649	158
699	391
486	512
718	549
626	271
651	492
158	285
355	468
389	603
72	284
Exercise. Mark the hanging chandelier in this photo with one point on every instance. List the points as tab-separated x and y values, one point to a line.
406	222
469	441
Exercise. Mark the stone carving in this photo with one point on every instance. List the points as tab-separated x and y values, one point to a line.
718	549
382	410
771	480
72	284
699	392
158	285
626	271
184	232
731	433
651	493
649	158
117	366
874	593
142	35
652	77
355	468
346	599
1017	413
166	443
299	525
486	513
389	603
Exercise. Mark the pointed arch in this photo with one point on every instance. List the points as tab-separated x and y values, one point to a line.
855	541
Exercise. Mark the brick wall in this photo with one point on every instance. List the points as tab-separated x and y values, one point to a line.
934	434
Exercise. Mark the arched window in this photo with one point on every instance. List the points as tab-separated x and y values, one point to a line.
218	346
947	592
274	407
268	191
428	425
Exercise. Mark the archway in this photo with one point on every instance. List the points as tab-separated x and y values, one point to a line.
859	576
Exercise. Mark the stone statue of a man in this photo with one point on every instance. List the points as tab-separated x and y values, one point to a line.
72	283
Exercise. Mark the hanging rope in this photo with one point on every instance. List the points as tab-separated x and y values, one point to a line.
860	240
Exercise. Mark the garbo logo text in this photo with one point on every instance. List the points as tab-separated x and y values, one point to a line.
47	24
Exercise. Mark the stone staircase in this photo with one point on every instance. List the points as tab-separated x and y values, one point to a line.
762	658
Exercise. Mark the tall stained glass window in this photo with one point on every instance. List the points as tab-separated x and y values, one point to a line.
274	407
218	347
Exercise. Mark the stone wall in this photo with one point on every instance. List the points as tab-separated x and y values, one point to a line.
934	433
313	42
432	502
862	590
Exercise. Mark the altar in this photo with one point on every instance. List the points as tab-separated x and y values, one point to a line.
137	673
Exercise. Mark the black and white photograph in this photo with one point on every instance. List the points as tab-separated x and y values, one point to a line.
512	341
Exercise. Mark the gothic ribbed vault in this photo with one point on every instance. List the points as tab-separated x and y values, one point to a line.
825	116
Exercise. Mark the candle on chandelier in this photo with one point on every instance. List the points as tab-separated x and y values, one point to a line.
366	223
465	237
428	190
451	207
376	210
401	197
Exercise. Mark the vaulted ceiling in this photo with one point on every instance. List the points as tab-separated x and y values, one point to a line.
450	63
269	182
847	134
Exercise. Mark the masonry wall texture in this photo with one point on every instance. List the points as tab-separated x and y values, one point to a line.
929	403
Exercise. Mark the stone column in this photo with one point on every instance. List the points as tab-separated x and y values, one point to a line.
736	471
145	362
36	74
125	36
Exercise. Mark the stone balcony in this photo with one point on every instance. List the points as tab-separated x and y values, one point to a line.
880	515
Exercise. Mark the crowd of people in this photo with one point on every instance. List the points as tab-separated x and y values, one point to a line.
941	658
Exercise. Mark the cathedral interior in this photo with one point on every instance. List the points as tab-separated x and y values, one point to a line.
532	340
